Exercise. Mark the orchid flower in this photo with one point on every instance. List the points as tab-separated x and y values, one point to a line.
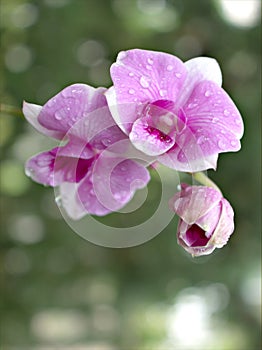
93	176
174	111
206	219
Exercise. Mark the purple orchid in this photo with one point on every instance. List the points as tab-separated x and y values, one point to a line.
93	175
174	111
206	219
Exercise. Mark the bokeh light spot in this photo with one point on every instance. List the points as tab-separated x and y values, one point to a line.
24	15
27	229
18	58
242	13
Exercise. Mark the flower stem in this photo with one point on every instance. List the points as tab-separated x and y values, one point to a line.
203	179
7	109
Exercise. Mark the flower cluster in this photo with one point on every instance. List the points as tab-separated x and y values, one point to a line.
159	109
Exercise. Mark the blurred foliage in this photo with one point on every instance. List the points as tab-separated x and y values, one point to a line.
60	291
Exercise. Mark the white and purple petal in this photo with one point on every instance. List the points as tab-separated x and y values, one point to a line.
70	201
70	105
142	76
213	119
112	184
31	112
198	70
51	169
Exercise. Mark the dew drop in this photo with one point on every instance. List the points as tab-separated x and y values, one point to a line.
131	74
131	91
58	115
201	140
148	67
191	105
169	68
144	83
29	172
221	144
162	93
178	75
123	168
215	120
226	112
106	142
208	93
58	200
233	143
120	196
237	121
150	61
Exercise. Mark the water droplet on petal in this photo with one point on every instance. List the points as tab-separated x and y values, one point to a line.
238	121
178	75
144	83
191	105
233	143
150	61
169	68
58	200
131	74
221	144
58	115
215	120
29	172
120	196
201	139
123	168
226	112
106	142
208	93
148	67
131	91
162	93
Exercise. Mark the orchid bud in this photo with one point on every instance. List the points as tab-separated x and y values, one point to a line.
206	219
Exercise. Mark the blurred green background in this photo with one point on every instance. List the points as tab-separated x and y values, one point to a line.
62	292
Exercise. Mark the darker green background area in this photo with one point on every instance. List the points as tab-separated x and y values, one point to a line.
64	268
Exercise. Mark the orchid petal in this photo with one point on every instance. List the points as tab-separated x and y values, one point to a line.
112	184
50	168
97	129
70	105
141	76
189	203
148	139
225	225
176	159
198	70
31	112
213	119
70	201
